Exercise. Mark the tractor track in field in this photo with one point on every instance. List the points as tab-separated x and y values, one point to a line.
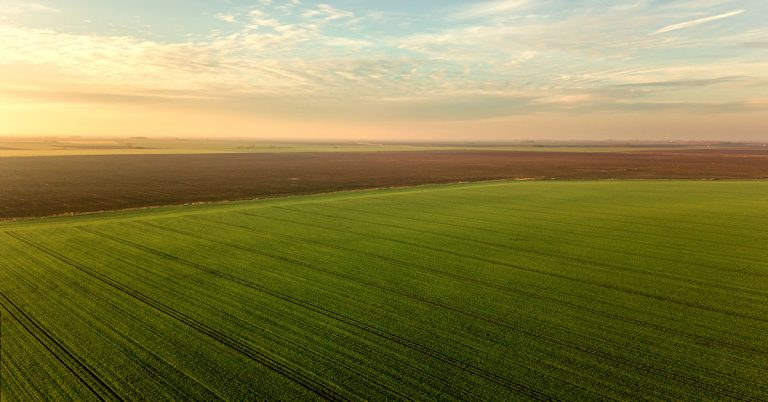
502	210
70	361
564	257
493	377
505	213
331	334
660	198
696	338
495	200
604	355
443	251
497	205
382	387
528	269
582	261
294	262
600	228
299	378
429	302
77	286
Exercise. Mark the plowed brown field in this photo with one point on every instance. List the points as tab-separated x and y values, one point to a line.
41	186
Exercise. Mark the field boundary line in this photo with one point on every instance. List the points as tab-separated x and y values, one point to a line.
184	208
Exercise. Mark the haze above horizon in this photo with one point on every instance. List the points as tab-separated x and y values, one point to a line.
388	70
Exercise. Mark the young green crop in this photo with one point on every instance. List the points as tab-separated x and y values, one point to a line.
488	291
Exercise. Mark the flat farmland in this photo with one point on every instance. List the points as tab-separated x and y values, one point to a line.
42	186
528	290
42	146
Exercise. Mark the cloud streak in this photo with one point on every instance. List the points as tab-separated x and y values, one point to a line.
225	17
699	21
23	7
698	83
489	8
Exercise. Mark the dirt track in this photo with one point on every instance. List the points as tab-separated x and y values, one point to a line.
41	186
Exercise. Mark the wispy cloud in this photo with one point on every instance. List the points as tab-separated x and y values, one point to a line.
489	8
698	21
326	59
327	12
22	7
684	83
226	17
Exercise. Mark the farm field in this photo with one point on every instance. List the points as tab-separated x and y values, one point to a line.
76	146
532	290
151	146
97	183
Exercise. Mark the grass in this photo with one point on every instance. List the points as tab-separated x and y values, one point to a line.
490	291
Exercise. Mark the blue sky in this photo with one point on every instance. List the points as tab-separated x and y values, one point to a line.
496	69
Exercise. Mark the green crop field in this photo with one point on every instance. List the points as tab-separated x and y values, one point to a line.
492	291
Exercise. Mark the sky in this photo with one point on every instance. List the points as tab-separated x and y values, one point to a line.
386	70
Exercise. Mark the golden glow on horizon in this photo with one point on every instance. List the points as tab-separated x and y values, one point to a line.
46	119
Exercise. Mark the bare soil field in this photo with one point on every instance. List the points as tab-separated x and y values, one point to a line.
42	186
